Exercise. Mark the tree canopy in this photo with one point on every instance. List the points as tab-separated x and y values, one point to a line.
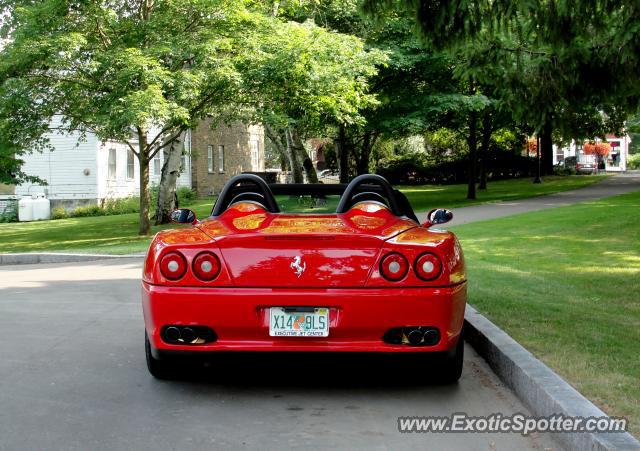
143	72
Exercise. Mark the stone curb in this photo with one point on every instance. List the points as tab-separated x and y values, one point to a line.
541	389
51	257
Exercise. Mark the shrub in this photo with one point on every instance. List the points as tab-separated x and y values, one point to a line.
570	162
89	210
563	170
185	194
130	204
10	212
634	161
59	213
404	169
413	169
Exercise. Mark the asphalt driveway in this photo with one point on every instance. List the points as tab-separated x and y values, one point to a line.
73	376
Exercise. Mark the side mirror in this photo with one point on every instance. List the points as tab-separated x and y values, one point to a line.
438	216
183	216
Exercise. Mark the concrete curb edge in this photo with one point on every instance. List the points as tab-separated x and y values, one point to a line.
539	387
54	257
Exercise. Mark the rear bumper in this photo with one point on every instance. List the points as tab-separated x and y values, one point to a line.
358	317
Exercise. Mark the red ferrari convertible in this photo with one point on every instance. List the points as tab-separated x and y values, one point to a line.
367	278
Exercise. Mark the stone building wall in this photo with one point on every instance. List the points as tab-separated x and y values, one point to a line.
243	148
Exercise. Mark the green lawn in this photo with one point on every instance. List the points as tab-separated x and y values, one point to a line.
118	234
565	283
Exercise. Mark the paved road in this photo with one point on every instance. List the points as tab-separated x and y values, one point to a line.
611	186
72	376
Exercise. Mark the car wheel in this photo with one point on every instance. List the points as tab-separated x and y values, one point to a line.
159	369
451	368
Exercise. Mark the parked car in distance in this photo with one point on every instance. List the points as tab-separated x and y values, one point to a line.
328	173
586	164
367	278
329	176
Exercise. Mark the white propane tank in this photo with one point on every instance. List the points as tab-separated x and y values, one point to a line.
25	209
41	208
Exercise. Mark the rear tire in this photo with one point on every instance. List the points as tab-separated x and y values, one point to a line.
160	369
452	363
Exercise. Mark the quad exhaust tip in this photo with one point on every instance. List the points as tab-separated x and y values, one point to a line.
412	336
187	335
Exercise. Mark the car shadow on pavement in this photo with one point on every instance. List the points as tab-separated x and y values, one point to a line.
317	370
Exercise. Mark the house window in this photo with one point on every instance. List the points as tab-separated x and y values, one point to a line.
220	158
210	158
112	164
157	166
255	162
130	164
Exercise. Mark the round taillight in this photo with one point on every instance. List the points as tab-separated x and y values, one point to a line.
428	266
206	266
173	266
394	266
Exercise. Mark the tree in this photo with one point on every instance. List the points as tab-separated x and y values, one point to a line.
167	198
11	164
558	62
300	80
140	69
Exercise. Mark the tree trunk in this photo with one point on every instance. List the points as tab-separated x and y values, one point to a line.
362	160
296	168
546	148
167	199
145	200
472	142
276	139
343	155
307	164
484	149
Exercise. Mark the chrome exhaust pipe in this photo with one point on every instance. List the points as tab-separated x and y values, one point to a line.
415	337
187	335
172	334
431	337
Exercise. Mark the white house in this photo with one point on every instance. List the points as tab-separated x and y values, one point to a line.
87	171
615	162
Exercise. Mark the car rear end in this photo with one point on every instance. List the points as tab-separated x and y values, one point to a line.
304	284
586	164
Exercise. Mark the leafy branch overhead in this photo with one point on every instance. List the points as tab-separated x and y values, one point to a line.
142	72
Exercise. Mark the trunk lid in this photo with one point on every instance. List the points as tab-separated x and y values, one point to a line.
278	250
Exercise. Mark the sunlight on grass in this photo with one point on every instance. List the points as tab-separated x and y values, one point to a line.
566	284
119	234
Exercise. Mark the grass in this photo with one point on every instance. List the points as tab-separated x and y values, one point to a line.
426	197
565	283
118	234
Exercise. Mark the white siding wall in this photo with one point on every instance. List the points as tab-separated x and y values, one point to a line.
119	185
70	170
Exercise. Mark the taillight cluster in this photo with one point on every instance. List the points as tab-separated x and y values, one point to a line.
206	266
173	266
395	266
427	266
